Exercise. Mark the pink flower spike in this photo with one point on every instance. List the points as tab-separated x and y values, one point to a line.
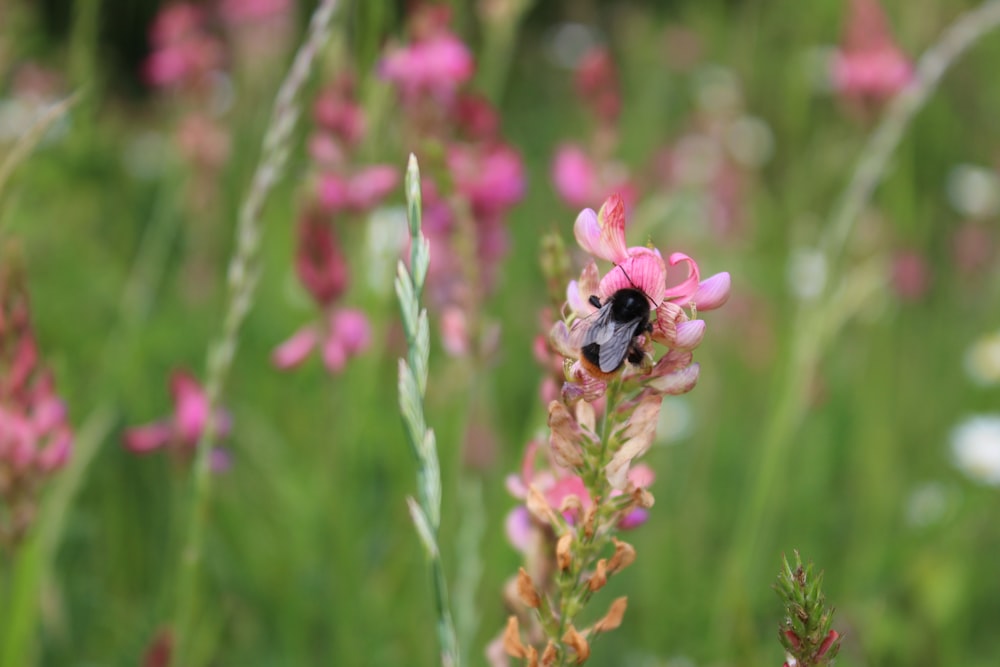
643	270
712	292
603	234
689	286
296	349
190	407
142	439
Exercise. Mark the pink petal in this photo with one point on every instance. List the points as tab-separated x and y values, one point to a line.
190	406
454	331
678	382
689	334
334	192
684	291
296	349
641	476
334	354
57	452
574	176
634	519
519	528
713	292
142	439
606	242
643	270
578	293
351	326
371	185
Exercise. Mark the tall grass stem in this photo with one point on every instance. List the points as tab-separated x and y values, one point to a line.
426	510
242	281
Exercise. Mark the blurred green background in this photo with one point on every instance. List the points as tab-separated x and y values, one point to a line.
311	557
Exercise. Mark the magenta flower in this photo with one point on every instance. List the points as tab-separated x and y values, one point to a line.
319	261
490	177
602	235
182	50
181	432
869	65
344	334
35	438
435	66
582	181
248	11
564	492
357	192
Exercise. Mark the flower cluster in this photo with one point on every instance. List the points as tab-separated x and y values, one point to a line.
179	434
869	67
343	189
472	177
35	437
591	485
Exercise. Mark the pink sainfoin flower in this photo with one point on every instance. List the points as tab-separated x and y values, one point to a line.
435	63
586	175
183	52
869	67
592	486
35	437
343	185
181	432
340	333
475	178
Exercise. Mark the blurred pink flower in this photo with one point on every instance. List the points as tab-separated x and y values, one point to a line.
580	181
184	428
319	261
343	334
241	11
35	438
436	66
597	83
336	111
869	65
911	275
183	51
490	177
357	192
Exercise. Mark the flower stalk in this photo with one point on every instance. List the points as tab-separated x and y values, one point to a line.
805	630
604	420
426	509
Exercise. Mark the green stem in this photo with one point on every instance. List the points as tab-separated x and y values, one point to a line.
242	278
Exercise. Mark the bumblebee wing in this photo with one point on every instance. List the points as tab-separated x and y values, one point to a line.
595	328
613	351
